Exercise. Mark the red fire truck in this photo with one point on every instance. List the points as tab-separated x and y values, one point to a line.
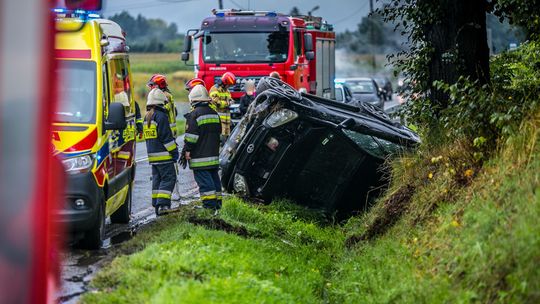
252	44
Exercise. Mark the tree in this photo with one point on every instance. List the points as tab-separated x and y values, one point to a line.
295	11
459	45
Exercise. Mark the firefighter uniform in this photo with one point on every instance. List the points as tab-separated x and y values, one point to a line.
138	119
171	112
221	99
202	139
161	148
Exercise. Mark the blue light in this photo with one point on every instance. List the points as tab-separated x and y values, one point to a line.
271	14
94	15
80	11
220	14
59	10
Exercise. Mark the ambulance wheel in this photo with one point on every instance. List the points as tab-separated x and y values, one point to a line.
93	238
123	214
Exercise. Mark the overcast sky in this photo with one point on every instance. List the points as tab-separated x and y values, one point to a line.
344	14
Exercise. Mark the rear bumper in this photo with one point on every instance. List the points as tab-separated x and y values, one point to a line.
80	218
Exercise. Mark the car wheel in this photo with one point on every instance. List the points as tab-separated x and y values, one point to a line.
281	87
123	214
93	238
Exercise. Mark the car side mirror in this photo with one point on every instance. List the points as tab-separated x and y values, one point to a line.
310	55
116	119
347	123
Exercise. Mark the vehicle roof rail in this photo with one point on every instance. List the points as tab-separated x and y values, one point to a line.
236	12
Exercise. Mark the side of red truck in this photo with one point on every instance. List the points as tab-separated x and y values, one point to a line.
252	44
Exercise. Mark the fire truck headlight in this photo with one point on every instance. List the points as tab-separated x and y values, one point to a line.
78	164
281	117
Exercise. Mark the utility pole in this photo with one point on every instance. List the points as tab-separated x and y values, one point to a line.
220	4
373	58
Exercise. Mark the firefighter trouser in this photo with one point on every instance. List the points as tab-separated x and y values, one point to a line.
209	187
225	118
163	181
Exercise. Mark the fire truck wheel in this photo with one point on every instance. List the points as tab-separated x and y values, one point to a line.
93	238
123	214
280	87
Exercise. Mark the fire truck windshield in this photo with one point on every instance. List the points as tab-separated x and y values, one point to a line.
77	91
246	47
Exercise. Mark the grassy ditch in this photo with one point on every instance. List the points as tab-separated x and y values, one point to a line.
449	230
249	253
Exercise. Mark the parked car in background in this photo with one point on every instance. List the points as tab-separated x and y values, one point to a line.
344	93
385	86
364	89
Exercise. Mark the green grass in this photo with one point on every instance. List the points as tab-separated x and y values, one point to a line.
162	63
283	259
467	233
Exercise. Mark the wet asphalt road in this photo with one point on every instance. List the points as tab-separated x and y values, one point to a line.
79	266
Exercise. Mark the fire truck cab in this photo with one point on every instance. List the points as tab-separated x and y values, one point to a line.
252	44
94	125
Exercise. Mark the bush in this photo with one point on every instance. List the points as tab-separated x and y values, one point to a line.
492	112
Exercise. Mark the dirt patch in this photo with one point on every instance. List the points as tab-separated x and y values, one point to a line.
393	208
219	224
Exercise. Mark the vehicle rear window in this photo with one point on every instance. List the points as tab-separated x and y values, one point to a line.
76	92
362	86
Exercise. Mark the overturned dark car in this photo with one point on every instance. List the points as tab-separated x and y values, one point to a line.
313	150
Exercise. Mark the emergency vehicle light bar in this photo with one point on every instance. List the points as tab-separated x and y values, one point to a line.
78	13
235	12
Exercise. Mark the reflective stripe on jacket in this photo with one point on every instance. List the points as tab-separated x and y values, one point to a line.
202	138
160	144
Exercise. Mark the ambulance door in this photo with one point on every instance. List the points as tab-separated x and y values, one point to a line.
123	154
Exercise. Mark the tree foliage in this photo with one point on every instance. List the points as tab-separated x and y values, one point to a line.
446	62
149	35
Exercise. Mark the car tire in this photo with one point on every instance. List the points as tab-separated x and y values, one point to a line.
93	238
123	214
282	88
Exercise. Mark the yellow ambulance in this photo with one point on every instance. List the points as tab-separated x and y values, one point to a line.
94	128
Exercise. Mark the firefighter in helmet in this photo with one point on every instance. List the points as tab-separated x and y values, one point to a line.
221	99
193	82
162	150
160	81
201	147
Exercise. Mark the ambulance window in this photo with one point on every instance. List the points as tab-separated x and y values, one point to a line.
105	87
77	94
121	86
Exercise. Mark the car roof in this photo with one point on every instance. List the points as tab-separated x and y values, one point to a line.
355	79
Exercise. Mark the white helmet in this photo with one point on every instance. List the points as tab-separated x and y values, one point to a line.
198	93
156	97
122	98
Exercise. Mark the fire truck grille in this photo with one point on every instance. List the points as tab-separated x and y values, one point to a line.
240	81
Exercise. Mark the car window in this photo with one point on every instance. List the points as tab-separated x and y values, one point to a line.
365	142
362	87
339	94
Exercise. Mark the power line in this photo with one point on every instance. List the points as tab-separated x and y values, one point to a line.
353	14
151	4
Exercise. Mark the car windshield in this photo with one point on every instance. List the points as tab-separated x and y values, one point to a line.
246	47
362	87
77	92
